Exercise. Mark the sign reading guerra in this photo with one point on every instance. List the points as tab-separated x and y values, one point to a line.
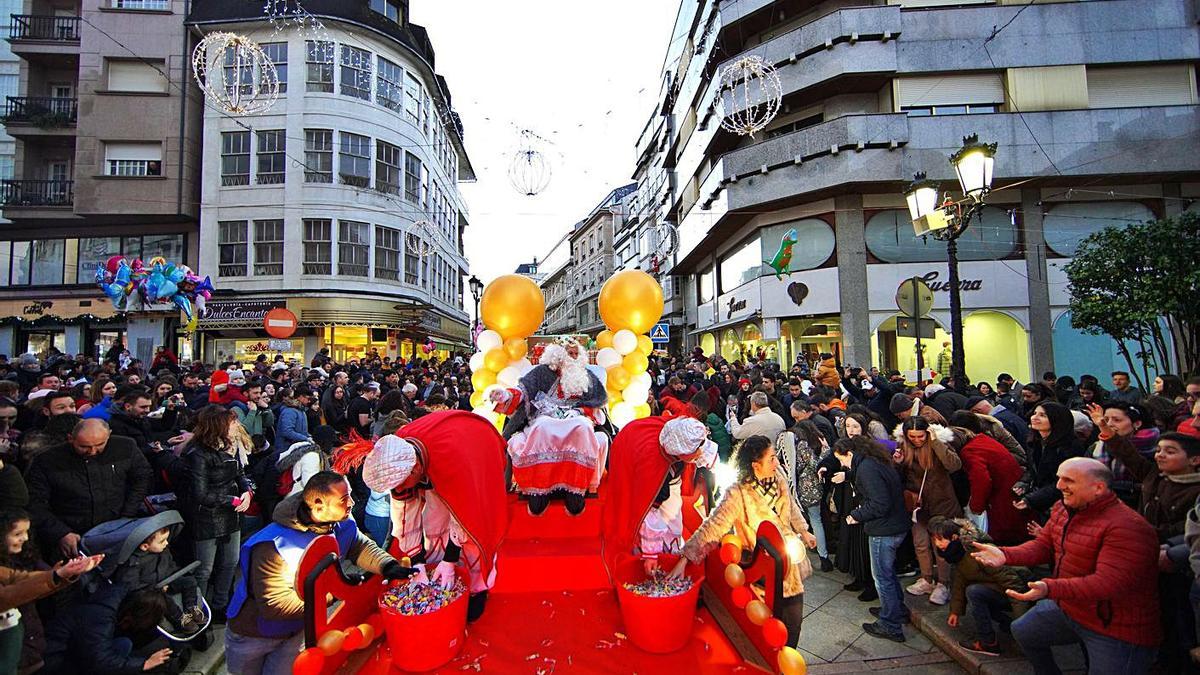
931	280
238	311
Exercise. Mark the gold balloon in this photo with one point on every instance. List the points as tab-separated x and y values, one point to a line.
791	662
513	306
495	360
635	362
482	379
618	377
331	641
631	299
645	345
476	398
735	576
758	612
642	410
604	339
368	633
516	348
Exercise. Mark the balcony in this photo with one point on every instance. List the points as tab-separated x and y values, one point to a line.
40	116
37	193
49	40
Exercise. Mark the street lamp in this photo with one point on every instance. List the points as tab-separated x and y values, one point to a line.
974	164
476	293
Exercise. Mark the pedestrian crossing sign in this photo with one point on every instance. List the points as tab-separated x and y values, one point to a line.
661	333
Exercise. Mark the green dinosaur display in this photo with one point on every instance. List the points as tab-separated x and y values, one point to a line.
783	257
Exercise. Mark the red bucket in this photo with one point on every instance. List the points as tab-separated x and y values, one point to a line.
426	641
657	625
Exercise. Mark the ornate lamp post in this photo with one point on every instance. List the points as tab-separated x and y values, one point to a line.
947	221
476	293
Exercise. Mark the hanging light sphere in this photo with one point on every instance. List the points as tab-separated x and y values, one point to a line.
420	238
529	172
667	238
235	73
750	94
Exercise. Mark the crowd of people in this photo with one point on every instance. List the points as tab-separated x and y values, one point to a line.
1058	511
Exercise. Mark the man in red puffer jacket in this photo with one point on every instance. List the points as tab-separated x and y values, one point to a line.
1103	591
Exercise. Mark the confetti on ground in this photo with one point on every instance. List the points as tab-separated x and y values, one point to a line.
660	585
413	599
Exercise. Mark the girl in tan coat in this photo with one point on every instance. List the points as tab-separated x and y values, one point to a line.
760	493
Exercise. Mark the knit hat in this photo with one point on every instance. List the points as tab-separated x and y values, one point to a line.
974	401
389	464
681	437
900	403
933	389
744	380
278	365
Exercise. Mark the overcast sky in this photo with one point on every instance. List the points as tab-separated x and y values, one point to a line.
582	75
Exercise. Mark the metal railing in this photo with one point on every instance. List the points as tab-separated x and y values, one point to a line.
42	111
37	192
44	27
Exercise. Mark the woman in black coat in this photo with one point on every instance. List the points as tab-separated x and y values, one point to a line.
1051	440
216	495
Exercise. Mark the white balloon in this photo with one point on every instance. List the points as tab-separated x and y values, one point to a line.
608	357
625	341
487	412
524	365
476	362
489	340
642	379
509	376
635	394
622	414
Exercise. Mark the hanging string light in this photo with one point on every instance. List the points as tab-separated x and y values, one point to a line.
750	94
529	171
285	14
235	73
666	239
420	238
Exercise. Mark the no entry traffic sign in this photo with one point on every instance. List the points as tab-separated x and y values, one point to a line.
280	323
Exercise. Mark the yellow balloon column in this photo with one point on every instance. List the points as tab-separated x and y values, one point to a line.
512	308
631	302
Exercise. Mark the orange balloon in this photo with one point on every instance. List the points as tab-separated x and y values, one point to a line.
645	345
354	639
619	377
635	362
331	642
513	306
775	633
631	299
496	360
368	633
730	553
732	538
516	348
758	612
309	662
741	597
604	339
735	576
791	662
482	379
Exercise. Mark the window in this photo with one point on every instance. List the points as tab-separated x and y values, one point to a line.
889	237
949	94
706	285
318	156
231	245
235	158
240	73
268	248
356	72
412	98
425	111
20	263
412	261
740	265
802	123
816	235
319	59
389	88
387	253
389	8
137	76
1139	86
354	163
389	174
92	252
141	4
353	248
39	263
278	53
1066	225
133	159
425	188
412	178
272	158
318	246
168	246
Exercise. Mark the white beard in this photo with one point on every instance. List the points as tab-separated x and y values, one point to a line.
573	377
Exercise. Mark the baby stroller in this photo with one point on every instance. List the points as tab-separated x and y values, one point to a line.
117	540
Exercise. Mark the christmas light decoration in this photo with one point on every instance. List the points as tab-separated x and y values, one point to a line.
420	238
667	239
750	93
235	73
285	14
529	172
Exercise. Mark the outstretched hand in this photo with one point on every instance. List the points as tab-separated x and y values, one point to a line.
71	569
1037	591
988	555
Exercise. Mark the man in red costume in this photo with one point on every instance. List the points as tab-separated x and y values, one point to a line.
445	473
643	515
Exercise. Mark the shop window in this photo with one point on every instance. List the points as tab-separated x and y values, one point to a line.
412	178
20	263
354	246
231	245
131	247
741	265
356	72
814	243
167	246
318	246
235	158
389	85
387	253
1068	224
318	156
268	248
889	236
389	172
354	159
278	53
92	253
319	60
39	262
272	156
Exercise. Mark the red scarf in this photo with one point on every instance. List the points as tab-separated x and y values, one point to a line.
636	471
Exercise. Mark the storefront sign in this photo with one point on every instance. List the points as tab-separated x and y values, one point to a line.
277	345
985	284
238	311
38	308
734	307
931	280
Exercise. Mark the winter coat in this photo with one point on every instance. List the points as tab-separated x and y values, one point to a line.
764	423
18	587
828	375
947	402
968	571
743	508
291	426
13	493
143	430
720	436
145	569
993	471
1012	423
996	429
1105	568
1043	463
879	487
83	640
1165	500
260	421
303	461
937	498
69	493
100	410
214	480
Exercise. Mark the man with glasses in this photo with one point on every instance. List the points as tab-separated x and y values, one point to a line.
255	415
